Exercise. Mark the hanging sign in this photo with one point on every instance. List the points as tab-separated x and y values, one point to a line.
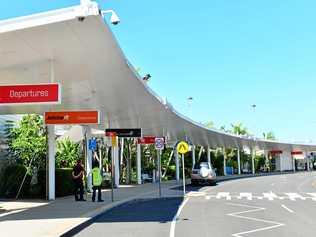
125	132
30	94
72	117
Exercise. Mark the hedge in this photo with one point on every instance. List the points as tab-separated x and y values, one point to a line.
64	184
11	179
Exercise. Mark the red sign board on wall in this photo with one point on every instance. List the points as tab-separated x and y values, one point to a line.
30	94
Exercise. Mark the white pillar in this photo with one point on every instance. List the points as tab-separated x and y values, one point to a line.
281	162
253	154
116	165
293	163
307	161
238	161
193	156
209	155
51	162
176	156
139	163
89	158
224	161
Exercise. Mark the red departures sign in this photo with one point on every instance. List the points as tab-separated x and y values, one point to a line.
30	94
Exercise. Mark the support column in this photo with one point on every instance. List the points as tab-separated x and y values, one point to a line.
176	156
51	162
139	163
116	165
193	156
238	161
253	154
88	163
209	155
224	161
307	161
293	163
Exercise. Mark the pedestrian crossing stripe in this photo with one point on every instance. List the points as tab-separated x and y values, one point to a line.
270	196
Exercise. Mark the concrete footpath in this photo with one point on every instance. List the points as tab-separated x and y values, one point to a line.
35	218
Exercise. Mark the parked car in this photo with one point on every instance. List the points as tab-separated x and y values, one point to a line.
203	173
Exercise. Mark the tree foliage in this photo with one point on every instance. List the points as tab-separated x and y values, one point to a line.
67	153
28	140
269	136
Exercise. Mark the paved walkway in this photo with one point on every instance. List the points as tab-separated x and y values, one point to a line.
42	219
34	218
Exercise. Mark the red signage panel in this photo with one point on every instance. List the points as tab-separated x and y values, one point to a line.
30	94
276	152
146	140
293	153
72	117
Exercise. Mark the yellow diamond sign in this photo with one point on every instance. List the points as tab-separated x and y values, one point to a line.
182	147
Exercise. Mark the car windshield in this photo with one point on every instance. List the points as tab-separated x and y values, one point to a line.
200	165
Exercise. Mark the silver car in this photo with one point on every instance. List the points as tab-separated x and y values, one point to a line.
203	173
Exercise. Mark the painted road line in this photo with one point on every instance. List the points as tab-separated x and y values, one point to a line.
175	218
224	195
313	196
286	208
294	196
245	195
254	209
270	196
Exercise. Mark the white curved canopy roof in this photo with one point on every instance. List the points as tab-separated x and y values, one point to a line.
95	74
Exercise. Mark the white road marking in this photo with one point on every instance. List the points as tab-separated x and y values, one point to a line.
224	195
175	218
313	196
294	196
11	212
270	196
196	194
245	195
255	209
286	208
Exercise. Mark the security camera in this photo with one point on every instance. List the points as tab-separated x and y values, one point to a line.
81	18
114	17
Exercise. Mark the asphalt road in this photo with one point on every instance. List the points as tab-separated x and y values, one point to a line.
277	206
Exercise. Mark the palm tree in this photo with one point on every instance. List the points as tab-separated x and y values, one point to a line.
239	129
209	124
269	136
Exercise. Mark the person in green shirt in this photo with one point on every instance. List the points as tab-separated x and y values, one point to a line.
96	182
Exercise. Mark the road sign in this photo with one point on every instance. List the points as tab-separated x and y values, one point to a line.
72	117
92	144
30	94
182	147
159	143
146	140
126	132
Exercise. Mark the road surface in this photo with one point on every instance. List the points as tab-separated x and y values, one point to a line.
277	206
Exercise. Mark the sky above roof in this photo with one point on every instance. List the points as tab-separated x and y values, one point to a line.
226	55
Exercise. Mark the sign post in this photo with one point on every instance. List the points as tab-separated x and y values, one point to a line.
159	145
182	148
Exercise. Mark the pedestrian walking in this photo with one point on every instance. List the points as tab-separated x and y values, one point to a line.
77	176
96	182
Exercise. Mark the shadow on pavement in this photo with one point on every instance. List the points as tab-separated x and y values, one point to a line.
143	210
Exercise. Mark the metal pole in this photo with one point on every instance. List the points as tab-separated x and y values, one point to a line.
159	171
238	161
112	173
176	156
139	164
183	175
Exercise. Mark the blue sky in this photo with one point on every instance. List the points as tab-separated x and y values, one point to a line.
226	54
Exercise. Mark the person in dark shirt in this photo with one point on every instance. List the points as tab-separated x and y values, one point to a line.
77	175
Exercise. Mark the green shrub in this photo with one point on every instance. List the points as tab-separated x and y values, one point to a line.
64	183
11	179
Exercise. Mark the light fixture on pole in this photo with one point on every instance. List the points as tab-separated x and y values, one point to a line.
114	17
